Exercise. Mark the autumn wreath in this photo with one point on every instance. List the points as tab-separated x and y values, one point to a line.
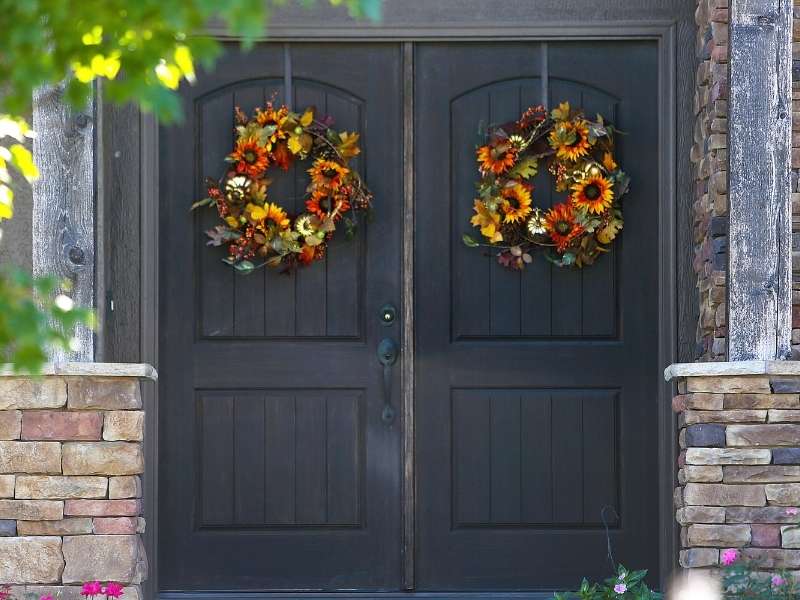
579	153
257	229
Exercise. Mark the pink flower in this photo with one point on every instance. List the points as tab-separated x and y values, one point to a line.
5	593
48	597
729	556
792	511
91	589
777	580
113	590
620	588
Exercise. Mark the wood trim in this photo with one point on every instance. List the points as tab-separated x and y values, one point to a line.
759	186
409	477
666	34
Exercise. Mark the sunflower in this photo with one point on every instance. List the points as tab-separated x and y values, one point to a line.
324	204
593	194
327	174
488	221
570	139
251	158
498	159
275	217
516	202
561	225
269	116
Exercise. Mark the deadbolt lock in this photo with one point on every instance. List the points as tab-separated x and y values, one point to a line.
388	315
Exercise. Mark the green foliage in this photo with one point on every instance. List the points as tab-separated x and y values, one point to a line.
627	585
141	50
27	327
742	580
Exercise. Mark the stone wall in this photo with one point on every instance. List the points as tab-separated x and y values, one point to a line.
709	158
71	460
739	467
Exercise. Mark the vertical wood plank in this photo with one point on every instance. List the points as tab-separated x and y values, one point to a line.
63	226
506	310
471	295
505	455
217	300
567	458
311	282
217	459
472	461
759	188
248	311
344	256
279	461
343	459
536	467
599	458
311	463
248	423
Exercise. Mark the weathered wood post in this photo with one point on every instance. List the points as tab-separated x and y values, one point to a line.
64	203
759	188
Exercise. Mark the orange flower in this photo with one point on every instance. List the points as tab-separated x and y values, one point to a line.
560	224
249	157
309	254
570	140
270	116
516	202
497	159
283	156
593	194
327	175
324	205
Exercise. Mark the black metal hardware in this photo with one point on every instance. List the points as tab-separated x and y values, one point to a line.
388	314
387	355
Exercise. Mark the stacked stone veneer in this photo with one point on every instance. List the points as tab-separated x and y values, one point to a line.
709	156
739	469
71	457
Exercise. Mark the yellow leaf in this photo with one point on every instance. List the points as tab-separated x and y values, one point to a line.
22	159
183	58
168	74
83	73
93	37
348	147
6	202
561	113
232	222
307	117
294	144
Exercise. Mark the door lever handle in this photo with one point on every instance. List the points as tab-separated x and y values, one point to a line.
387	355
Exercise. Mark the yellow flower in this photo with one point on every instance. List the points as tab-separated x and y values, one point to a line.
608	162
488	221
593	194
570	140
275	216
516	203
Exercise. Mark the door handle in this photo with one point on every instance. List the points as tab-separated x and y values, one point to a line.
387	355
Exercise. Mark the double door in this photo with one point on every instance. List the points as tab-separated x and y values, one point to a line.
534	392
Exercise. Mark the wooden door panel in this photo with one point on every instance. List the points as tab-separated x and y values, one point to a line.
543	301
278	458
509	470
536	397
325	302
275	456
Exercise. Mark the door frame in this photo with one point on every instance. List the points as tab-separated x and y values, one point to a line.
664	33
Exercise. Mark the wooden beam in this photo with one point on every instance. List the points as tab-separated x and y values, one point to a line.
63	203
759	190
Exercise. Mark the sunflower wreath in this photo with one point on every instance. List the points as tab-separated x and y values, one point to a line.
579	153
257	230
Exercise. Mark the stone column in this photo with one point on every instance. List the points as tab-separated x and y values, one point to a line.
71	461
739	463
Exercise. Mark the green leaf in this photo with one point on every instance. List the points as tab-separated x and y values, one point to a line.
525	168
203	202
469	241
244	267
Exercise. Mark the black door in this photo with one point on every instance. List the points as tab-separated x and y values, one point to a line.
536	395
276	470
